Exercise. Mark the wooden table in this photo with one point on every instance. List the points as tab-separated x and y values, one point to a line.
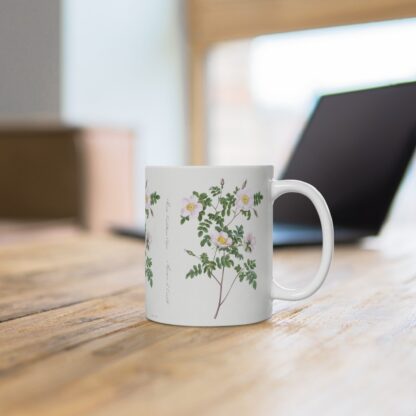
74	339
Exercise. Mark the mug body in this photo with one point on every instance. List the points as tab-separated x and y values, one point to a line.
208	245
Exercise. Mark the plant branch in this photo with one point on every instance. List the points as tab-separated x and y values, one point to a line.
219	299
229	289
215	253
212	274
218	201
236	214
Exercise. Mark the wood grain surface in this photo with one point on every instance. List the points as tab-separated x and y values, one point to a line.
74	339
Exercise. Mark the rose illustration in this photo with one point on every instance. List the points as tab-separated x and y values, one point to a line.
191	207
224	245
249	242
221	239
245	200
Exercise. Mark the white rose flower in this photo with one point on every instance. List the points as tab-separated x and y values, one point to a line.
191	207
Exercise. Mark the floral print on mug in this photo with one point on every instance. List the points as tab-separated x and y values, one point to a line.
151	200
225	245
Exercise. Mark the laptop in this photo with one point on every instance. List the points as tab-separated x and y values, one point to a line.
354	149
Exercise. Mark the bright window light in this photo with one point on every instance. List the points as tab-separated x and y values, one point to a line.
289	69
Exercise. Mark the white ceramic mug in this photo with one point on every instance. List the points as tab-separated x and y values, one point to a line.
209	244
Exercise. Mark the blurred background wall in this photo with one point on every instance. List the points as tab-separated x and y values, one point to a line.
124	64
106	63
30	59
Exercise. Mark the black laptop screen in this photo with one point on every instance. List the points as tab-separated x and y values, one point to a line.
355	149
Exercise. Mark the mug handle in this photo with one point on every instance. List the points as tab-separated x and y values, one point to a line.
279	188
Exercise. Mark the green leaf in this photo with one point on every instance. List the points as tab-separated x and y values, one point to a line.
217	218
208	265
222	261
184	219
201	215
148	262
233	250
204	257
246	214
149	273
206	240
226	261
258	197
215	190
148	270
251	277
154	197
247	248
191	253
196	270
238	234
205	200
251	264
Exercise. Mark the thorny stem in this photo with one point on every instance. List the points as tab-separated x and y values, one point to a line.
229	290
219	299
215	253
236	214
212	274
218	201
